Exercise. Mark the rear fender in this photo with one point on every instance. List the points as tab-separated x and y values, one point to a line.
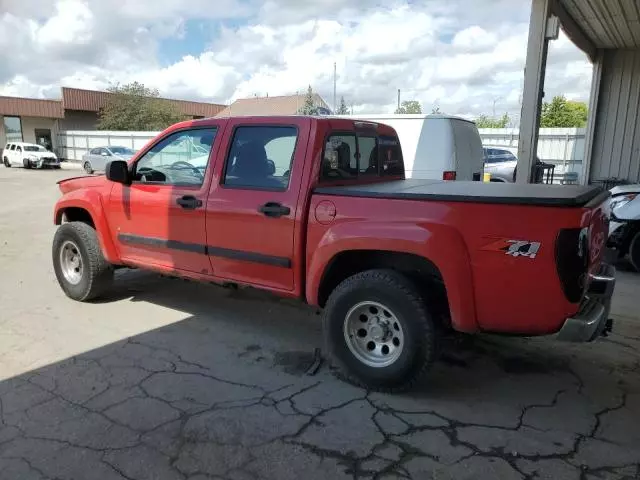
91	201
440	244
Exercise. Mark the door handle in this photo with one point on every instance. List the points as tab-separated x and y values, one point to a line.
189	202
274	209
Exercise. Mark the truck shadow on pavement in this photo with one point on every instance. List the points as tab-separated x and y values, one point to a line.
223	393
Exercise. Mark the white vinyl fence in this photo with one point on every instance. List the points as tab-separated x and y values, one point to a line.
563	147
73	144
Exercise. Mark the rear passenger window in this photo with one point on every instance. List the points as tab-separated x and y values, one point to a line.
348	156
340	157
368	155
261	157
13	147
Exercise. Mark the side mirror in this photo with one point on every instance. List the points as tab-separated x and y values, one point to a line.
118	171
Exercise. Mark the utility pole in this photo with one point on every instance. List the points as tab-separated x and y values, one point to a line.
335	100
398	99
494	106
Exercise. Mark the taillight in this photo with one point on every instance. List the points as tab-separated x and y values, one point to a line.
449	175
572	262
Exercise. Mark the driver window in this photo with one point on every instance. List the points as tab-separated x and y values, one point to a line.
179	159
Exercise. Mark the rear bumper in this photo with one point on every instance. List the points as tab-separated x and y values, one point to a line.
593	317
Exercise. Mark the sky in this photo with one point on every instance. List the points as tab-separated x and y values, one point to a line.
464	56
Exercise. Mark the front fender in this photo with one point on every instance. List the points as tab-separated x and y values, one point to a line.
444	246
91	201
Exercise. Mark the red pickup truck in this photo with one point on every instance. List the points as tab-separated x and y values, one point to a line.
319	209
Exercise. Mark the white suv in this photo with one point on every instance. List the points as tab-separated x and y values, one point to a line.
28	155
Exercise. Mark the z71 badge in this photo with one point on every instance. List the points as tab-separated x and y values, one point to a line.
514	248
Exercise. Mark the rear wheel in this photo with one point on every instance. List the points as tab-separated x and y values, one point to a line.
378	331
6	162
81	269
634	251
87	168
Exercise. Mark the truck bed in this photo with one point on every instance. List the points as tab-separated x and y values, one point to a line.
475	192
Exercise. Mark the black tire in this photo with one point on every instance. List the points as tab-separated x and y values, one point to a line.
400	296
26	163
97	273
634	251
6	162
87	168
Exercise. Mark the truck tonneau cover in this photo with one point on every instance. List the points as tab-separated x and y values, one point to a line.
475	192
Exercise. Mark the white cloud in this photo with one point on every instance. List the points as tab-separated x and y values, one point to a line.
474	38
462	55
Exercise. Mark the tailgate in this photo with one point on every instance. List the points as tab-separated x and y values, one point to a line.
598	229
580	250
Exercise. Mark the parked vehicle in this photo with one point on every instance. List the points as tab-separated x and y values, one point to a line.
319	209
624	230
97	158
28	155
436	147
500	162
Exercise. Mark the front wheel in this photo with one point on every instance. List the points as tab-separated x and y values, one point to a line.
81	269
378	331
26	163
87	168
6	162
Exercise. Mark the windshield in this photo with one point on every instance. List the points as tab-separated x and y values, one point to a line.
34	148
121	150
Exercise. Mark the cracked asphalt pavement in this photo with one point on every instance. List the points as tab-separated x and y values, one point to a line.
166	379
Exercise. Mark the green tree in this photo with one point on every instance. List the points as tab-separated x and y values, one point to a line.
409	106
136	107
563	113
485	121
342	109
309	107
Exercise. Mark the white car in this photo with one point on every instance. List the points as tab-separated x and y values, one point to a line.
97	158
28	155
500	162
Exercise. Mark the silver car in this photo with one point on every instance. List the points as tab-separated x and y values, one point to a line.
97	158
501	163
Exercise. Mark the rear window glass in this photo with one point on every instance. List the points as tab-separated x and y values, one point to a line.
348	156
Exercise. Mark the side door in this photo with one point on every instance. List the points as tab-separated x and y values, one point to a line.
16	157
253	216
90	157
99	158
159	220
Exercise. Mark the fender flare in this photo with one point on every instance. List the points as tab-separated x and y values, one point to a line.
442	245
91	201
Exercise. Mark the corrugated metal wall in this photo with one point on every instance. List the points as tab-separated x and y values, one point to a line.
616	144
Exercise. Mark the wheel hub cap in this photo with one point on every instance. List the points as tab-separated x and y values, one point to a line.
71	262
373	334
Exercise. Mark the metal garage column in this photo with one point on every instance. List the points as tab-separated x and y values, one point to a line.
540	31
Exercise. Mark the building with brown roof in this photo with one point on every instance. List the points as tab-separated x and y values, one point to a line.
39	121
81	108
284	105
